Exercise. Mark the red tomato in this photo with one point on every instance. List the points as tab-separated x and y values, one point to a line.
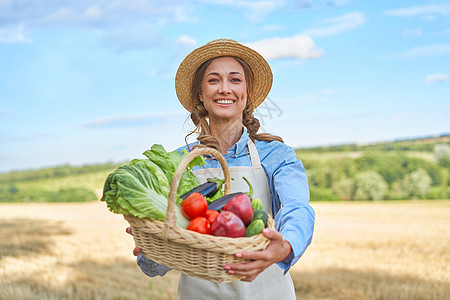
211	215
200	225
194	205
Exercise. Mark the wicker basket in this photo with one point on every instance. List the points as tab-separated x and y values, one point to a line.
200	255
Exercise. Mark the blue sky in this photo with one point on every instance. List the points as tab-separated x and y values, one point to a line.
86	82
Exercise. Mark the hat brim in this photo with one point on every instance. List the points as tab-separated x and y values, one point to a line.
223	47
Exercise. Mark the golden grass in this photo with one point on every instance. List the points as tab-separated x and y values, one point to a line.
394	250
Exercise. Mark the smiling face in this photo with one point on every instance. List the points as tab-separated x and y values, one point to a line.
224	89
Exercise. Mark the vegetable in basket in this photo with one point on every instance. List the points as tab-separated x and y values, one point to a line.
229	225
220	203
256	203
241	206
211	189
141	187
200	225
194	205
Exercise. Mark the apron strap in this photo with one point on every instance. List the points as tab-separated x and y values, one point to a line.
254	156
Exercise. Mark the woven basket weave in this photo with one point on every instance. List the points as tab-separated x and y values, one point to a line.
200	255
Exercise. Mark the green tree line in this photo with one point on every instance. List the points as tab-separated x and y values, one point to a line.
37	185
378	175
412	169
54	172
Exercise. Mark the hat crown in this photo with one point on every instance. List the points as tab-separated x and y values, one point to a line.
222	41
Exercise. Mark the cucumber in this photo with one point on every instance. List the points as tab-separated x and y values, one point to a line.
256	204
261	215
255	227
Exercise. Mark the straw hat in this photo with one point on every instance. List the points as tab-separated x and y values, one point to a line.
217	48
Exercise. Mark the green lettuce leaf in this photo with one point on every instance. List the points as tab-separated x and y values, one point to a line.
141	188
169	162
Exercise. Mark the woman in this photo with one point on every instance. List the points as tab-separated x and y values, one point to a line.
220	84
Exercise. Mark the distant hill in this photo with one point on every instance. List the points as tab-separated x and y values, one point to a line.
425	144
335	172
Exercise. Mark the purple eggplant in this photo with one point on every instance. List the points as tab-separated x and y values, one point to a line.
220	203
207	189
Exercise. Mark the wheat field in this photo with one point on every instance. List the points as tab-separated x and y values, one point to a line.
382	250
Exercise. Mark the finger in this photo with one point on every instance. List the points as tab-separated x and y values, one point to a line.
272	234
128	230
249	275
251	265
251	268
253	255
136	251
249	278
245	272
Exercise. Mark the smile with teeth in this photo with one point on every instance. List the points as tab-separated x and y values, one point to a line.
224	101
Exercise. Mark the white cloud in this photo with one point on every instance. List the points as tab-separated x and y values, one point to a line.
420	10
184	45
338	25
93	12
105	17
336	3
257	11
442	33
170	10
13	34
398	117
436	78
303	4
183	14
421	51
331	92
272	27
132	120
254	11
300	46
308	4
412	32
186	41
139	36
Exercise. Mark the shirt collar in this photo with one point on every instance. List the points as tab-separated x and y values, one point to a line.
240	146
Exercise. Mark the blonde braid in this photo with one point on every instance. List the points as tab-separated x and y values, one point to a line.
252	124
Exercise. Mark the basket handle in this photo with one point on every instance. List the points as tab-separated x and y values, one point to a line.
170	214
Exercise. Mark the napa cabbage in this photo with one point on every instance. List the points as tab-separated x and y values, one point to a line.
141	187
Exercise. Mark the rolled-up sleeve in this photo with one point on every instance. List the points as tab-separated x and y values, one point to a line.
295	217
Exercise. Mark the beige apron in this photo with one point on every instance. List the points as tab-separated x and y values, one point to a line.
271	283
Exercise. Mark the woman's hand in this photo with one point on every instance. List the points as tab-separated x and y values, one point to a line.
136	250
277	250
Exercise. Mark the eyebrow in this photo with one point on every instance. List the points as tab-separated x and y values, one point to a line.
217	74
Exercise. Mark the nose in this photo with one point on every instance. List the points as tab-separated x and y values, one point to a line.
224	87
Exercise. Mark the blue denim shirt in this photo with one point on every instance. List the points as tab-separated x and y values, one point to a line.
288	184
